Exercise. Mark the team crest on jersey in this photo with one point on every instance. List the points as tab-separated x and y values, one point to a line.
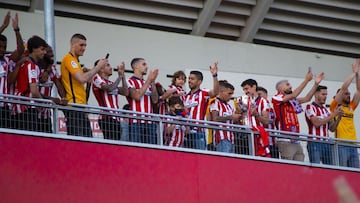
74	64
33	74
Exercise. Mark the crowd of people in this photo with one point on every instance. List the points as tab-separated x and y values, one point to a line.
32	73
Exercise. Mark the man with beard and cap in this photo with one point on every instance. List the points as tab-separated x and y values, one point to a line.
287	106
348	156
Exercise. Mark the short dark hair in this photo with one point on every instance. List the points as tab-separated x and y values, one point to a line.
178	74
250	82
36	42
198	74
135	60
78	36
321	87
175	100
3	38
259	88
226	85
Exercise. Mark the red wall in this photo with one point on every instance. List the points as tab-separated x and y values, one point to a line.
35	169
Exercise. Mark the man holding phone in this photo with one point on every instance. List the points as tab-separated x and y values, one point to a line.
73	79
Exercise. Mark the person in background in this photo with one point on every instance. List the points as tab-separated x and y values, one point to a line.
196	101
125	125
7	61
274	150
320	121
74	78
256	116
142	95
222	111
106	93
47	78
175	133
348	155
287	105
26	117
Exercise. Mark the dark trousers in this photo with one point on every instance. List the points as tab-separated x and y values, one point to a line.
111	128
5	117
45	125
77	124
242	143
26	120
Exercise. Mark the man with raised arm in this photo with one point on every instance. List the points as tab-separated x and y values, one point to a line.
196	102
348	156
287	106
6	61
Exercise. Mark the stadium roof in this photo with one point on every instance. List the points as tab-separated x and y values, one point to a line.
324	26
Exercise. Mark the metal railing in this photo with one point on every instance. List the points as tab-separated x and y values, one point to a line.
138	127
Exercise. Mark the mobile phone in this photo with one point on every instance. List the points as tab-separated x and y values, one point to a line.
107	56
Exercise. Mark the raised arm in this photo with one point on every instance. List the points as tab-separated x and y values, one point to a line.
215	91
84	77
310	94
17	54
5	22
356	97
300	88
355	69
123	90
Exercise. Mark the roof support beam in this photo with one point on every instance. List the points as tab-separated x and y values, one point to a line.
253	23
205	17
35	5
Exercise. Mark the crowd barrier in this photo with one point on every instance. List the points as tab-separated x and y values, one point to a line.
118	125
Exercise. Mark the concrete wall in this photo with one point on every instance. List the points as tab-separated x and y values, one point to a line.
170	52
44	169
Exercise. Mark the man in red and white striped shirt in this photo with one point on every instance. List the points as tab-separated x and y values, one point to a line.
256	115
142	96
319	121
106	93
274	150
6	60
26	85
222	111
196	103
47	78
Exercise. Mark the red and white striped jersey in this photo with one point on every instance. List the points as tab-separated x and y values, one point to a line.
28	74
143	105
196	104
261	106
4	68
176	138
321	112
104	98
179	91
285	114
11	88
224	109
45	89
